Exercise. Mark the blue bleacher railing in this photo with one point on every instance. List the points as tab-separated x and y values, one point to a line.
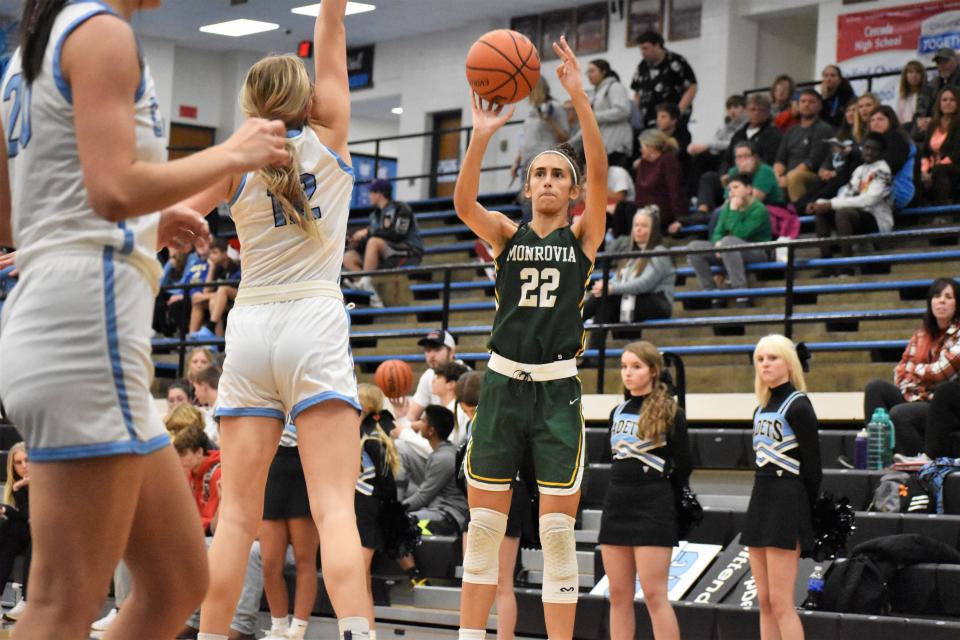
607	261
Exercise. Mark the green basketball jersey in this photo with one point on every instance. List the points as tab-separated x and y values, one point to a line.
540	289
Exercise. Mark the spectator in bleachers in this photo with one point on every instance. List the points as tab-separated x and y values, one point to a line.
778	529
179	392
198	358
15	537
743	220
837	166
662	76
185	416
287	521
708	156
544	126
220	267
670	123
790	117
658	179
943	420
390	240
940	166
947	75
803	148
220	305
758	129
172	272
781	95
900	155
202	465
638	526
439	501
910	92
642	288
835	92
932	357
205	387
444	387
195	271
866	104
621	201
746	160
864	205
611	106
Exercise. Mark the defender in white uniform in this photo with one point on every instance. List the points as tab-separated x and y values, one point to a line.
86	165
287	340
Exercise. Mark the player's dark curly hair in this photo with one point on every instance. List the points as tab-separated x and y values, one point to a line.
35	26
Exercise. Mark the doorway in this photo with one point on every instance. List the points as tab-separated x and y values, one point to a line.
445	153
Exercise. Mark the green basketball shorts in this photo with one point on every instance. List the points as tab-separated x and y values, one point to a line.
516	415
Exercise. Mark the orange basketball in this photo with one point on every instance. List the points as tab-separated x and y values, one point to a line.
503	66
395	378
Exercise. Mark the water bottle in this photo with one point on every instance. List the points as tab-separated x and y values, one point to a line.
860	450
814	589
892	441
878	440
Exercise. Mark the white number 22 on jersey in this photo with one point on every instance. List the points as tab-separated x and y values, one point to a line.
537	287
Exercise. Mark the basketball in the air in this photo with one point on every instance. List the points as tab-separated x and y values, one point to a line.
503	66
395	378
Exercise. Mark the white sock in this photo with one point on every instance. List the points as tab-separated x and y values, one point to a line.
472	634
279	626
354	628
298	629
210	636
373	634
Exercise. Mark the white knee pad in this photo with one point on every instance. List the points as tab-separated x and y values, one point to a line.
560	570
481	561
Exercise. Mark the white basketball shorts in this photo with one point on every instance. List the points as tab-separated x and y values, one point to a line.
75	366
285	357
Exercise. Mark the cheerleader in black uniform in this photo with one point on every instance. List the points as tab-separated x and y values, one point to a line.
379	464
778	528
638	529
287	521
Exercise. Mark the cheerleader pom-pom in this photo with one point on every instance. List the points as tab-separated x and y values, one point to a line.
401	531
833	522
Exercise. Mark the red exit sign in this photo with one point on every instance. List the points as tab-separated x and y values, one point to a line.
188	111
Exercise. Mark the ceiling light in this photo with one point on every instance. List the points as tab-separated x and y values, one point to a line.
397	111
237	28
352	8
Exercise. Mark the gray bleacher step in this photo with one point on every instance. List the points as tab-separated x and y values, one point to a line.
590	519
431	597
715	501
532	560
536	578
586	536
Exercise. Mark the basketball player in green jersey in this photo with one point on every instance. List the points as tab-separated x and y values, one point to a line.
530	398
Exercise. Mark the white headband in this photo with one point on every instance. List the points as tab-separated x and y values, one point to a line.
573	170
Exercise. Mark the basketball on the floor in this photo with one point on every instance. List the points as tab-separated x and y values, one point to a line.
395	378
503	66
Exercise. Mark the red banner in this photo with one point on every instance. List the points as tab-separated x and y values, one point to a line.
917	29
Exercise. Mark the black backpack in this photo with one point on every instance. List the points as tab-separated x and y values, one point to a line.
858	585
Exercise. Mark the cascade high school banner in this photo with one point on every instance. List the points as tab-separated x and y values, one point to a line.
885	39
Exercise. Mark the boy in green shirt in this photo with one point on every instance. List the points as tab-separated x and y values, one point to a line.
743	220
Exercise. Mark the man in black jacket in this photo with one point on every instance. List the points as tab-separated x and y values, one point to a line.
759	129
390	240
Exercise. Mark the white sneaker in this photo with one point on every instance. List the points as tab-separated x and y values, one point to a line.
14	614
274	635
104	623
366	284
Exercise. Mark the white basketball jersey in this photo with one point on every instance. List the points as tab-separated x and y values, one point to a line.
274	251
50	208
